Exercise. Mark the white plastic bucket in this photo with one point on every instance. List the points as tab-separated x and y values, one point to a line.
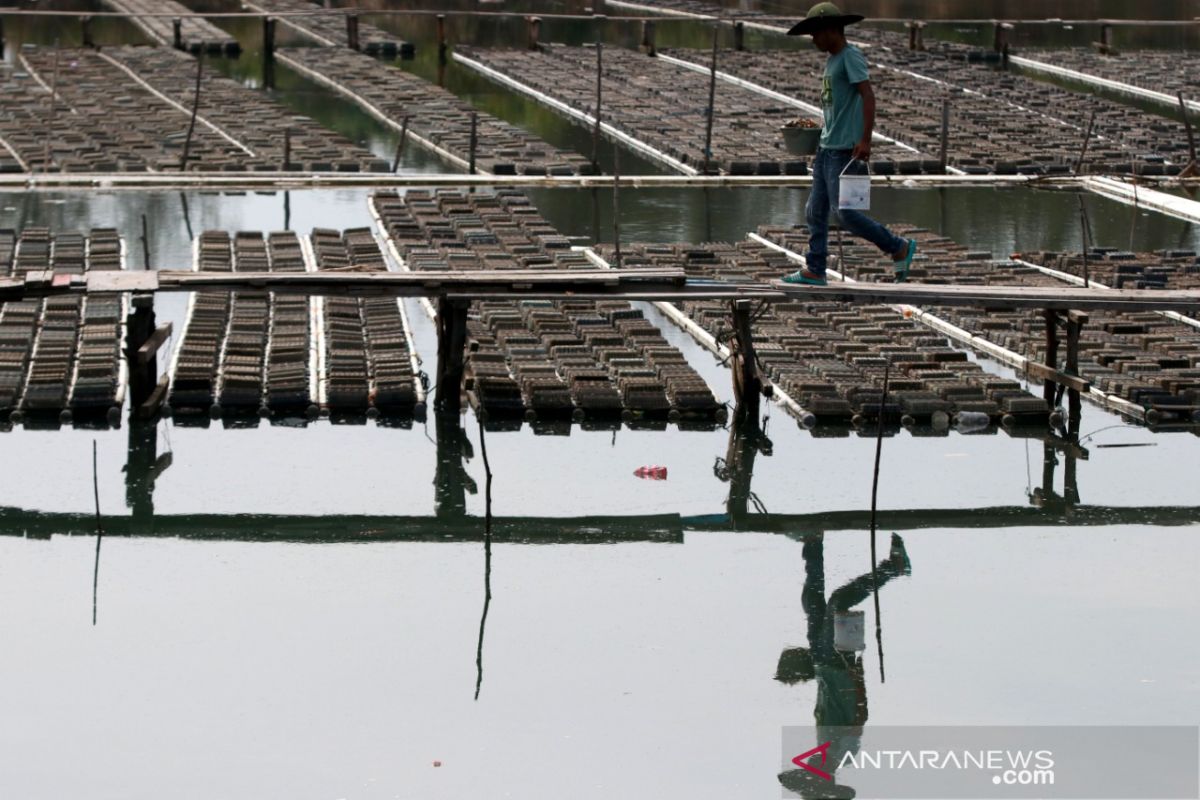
854	191
850	631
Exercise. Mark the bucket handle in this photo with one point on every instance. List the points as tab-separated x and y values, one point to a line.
851	161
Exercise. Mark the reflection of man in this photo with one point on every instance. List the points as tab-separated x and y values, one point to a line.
841	709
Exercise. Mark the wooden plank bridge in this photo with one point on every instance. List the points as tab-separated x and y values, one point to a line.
1064	306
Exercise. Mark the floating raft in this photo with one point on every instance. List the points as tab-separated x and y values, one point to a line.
1136	362
255	353
989	123
587	360
829	357
60	357
1156	75
197	35
656	107
436	118
128	109
329	30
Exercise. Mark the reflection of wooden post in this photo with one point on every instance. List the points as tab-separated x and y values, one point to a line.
746	440
287	149
452	340
352	31
534	32
739	36
1	37
648	46
177	33
441	38
747	386
1048	386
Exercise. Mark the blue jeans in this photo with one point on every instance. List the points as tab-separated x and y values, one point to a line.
827	168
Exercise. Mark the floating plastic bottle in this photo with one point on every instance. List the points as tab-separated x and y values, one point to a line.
652	472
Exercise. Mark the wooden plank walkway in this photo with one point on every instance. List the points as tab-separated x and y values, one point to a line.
1037	297
648	284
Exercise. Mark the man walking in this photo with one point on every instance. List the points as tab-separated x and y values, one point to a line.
849	110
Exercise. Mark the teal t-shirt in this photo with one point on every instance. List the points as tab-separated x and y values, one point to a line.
840	100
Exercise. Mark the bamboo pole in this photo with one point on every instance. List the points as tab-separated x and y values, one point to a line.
616	208
187	143
400	144
599	102
53	111
712	94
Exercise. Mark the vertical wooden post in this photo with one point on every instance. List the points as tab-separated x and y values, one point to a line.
1	37
712	95
1087	137
177	33
187	143
1106	39
617	207
400	144
352	31
145	244
452	342
945	132
441	38
143	373
648	32
85	31
1190	169
287	149
534	32
1075	321
474	141
912	34
268	52
747	386
268	25
599	106
739	36
921	36
598	8
1000	35
1049	387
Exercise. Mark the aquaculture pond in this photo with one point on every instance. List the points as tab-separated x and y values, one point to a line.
429	606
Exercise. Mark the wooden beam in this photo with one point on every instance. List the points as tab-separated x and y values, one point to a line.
747	386
1049	388
148	349
452	343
